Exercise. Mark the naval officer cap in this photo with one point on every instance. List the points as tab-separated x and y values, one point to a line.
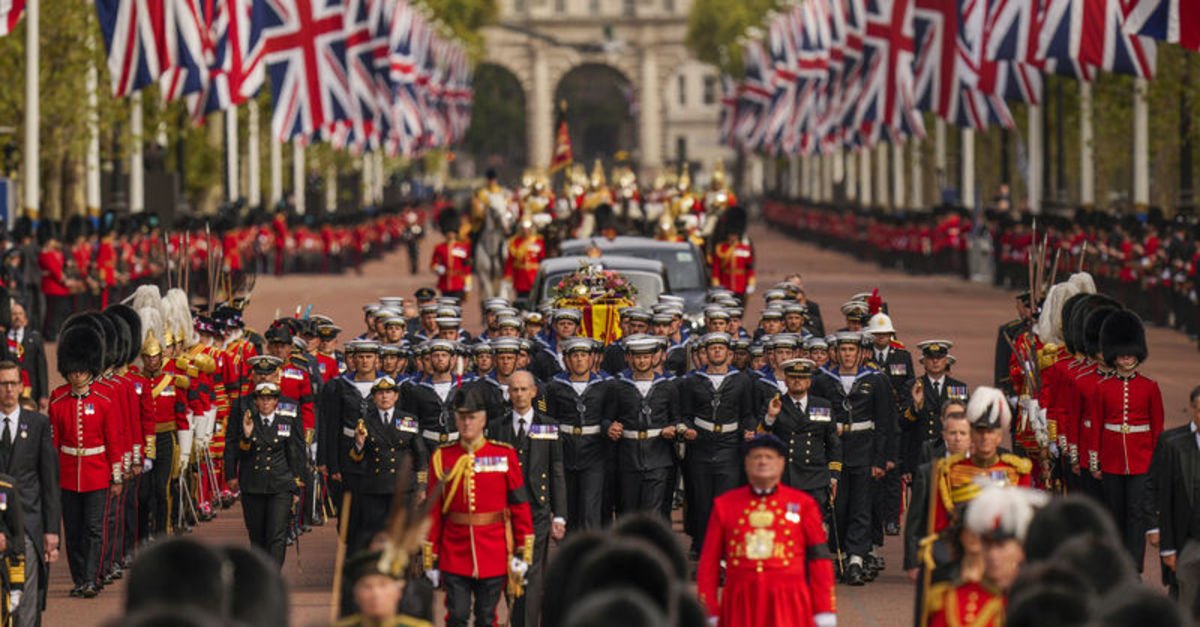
264	364
935	348
384	384
266	389
764	440
799	368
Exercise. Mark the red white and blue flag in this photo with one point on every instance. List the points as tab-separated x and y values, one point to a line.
1175	21
135	38
304	49
10	14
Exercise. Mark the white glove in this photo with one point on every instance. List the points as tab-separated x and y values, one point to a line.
749	289
712	621
147	465
518	566
439	269
435	576
185	447
14	600
825	619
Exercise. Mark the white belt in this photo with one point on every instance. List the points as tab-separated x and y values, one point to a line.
861	426
716	427
82	452
587	430
439	437
641	435
1125	427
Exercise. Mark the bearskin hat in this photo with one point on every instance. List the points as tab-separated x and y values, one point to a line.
1122	333
449	220
1063	519
605	218
735	220
1070	339
179	571
134	322
124	338
80	349
1091	329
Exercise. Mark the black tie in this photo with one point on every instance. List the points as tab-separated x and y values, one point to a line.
387	417
937	389
5	444
520	429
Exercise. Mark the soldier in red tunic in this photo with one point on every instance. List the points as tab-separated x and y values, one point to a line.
169	393
526	250
89	453
999	516
733	258
452	258
778	569
482	531
1128	408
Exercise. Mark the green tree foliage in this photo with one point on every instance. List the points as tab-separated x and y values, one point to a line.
714	27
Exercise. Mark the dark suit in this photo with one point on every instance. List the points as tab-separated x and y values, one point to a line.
541	455
268	466
1176	480
33	465
813	319
33	362
1008	332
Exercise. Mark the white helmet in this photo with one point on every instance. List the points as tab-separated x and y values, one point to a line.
879	323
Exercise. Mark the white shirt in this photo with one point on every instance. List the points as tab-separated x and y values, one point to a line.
643	386
364	387
801	403
716	379
17	335
385	415
268	419
939	384
847	382
517	418
580	386
443	389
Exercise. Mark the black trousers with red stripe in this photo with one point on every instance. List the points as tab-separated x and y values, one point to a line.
83	531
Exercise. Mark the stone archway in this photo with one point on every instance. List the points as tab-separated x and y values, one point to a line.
601	111
496	138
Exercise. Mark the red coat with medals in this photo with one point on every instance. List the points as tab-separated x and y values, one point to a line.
733	266
454	261
968	603
483	493
87	438
1129	419
777	566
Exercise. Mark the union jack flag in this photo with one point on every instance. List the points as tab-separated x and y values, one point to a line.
190	48
235	71
729	102
305	55
886	103
1084	34
135	37
406	126
754	93
946	70
1176	21
366	42
10	14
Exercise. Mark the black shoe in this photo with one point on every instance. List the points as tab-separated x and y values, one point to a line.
874	562
77	591
89	591
854	575
891	529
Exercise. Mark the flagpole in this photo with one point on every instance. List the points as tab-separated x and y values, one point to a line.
1087	166
967	198
864	157
298	175
137	169
881	175
1034	161
276	164
231	154
92	158
32	167
851	165
380	179
898	198
253	156
939	156
368	185
1141	146
918	193
331	184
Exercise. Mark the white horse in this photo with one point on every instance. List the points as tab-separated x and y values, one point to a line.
491	244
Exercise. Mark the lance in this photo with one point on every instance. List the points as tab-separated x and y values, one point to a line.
339	562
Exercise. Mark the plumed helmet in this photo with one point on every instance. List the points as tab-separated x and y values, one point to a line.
988	409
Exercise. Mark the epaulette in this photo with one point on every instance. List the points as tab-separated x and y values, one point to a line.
499	443
955	458
5	484
936	599
1022	464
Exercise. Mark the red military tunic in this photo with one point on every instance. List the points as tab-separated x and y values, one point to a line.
452	263
1129	412
119	413
169	401
777	566
525	255
957	480
468	534
328	365
294	382
1086	386
88	440
733	266
142	423
968	603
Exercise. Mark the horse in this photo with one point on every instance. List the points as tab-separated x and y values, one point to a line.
491	244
